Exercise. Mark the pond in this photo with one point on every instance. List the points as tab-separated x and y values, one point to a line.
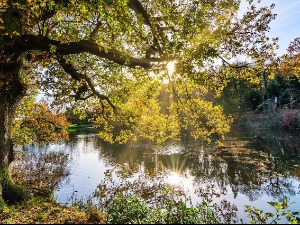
248	170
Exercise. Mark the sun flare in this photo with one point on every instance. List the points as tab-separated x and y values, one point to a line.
176	179
171	67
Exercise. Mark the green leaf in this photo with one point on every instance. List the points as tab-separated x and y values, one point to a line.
277	205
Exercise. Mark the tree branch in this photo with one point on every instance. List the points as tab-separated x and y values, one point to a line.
138	8
33	42
96	28
83	98
68	68
229	64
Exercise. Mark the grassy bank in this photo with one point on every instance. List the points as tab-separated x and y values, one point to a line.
76	126
44	210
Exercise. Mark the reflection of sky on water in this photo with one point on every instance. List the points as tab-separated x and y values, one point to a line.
249	175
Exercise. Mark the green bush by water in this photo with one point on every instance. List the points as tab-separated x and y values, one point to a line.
134	209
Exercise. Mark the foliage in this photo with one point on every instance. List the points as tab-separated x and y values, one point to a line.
281	211
290	62
113	55
127	210
37	124
287	90
152	200
240	96
289	119
160	113
134	209
75	116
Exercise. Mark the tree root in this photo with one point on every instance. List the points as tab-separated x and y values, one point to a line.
10	192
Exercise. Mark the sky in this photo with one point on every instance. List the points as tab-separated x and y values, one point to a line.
286	26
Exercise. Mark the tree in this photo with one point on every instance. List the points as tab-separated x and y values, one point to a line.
113	54
284	83
290	62
35	123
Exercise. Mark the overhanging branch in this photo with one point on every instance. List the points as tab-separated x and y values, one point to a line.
33	42
68	68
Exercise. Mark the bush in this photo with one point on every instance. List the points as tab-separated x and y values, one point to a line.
289	119
281	212
128	209
166	208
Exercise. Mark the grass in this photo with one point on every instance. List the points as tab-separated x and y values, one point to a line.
76	126
72	127
45	210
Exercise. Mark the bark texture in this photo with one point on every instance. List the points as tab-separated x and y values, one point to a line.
11	92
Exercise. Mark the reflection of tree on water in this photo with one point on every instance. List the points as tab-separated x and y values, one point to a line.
245	170
158	195
243	166
129	155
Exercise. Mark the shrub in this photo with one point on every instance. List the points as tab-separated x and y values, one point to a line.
128	209
281	212
164	204
289	119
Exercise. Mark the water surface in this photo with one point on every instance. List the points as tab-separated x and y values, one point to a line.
248	170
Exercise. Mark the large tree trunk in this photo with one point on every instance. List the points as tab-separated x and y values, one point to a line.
11	92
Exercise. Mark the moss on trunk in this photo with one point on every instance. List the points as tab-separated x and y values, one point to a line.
11	192
2	202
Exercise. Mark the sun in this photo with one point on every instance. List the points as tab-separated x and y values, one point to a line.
171	67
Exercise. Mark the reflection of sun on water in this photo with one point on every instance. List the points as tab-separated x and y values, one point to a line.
176	167
176	179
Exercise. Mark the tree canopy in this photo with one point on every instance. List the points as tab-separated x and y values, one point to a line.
290	62
35	123
114	56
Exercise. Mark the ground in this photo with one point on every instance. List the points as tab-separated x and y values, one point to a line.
45	210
